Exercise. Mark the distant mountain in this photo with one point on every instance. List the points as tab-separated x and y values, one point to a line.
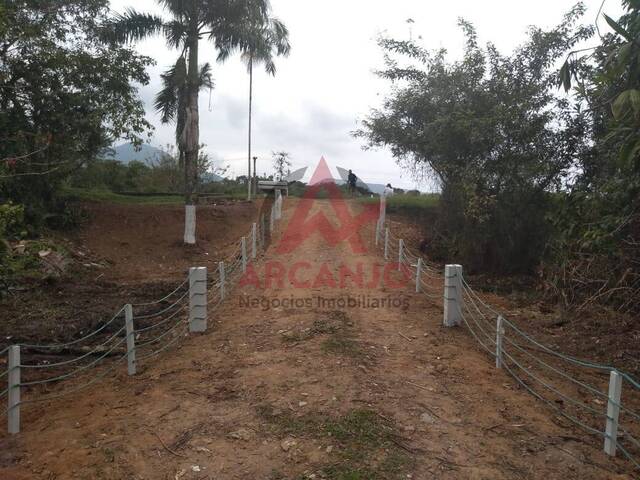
126	153
209	177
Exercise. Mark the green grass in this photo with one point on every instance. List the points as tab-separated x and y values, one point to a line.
425	201
106	196
367	444
342	344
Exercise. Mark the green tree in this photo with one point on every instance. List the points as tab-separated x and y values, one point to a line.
491	131
64	96
224	23
595	252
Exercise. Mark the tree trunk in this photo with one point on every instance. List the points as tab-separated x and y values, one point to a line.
191	141
250	101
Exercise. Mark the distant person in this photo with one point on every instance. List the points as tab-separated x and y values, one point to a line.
351	181
388	191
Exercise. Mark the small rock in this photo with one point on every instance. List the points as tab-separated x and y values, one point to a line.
329	449
427	418
241	434
302	404
287	443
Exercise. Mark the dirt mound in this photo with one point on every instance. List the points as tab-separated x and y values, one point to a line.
139	243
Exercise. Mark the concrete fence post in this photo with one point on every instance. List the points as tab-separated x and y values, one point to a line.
222	279
383	209
243	248
418	274
452	295
254	241
197	299
13	394
400	252
378	228
278	205
131	339
499	335
386	244
613	412
272	218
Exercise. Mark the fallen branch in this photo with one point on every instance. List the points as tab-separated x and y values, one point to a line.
405	337
167	448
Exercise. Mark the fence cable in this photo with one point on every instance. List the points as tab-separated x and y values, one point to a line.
79	369
74	342
163	298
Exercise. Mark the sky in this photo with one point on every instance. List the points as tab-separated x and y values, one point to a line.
327	85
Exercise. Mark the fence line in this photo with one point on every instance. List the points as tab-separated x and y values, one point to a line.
128	341
519	354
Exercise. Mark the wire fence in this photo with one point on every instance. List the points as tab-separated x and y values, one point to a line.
137	332
582	392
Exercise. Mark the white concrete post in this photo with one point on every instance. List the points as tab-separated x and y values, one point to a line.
400	252
613	412
197	299
386	243
383	209
418	274
254	241
272	218
222	279
452	295
243	245
131	339
278	205
499	335
378	232
190	224
13	394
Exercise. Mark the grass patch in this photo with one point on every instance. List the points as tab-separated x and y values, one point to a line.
106	196
319	327
342	345
417	206
367	445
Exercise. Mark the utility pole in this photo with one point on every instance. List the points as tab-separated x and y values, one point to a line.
250	101
255	178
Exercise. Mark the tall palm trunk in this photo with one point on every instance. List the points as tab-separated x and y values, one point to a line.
191	140
249	179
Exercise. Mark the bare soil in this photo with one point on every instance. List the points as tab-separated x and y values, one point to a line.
124	254
290	392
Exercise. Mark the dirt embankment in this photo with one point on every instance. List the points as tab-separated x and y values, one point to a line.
124	254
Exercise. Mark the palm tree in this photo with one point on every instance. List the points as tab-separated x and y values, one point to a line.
267	37
171	100
223	22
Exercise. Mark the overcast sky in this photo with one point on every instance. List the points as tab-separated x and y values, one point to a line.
327	84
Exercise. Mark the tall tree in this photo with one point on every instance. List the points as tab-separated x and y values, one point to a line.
491	130
170	102
267	38
224	23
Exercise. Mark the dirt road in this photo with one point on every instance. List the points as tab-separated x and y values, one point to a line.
308	390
